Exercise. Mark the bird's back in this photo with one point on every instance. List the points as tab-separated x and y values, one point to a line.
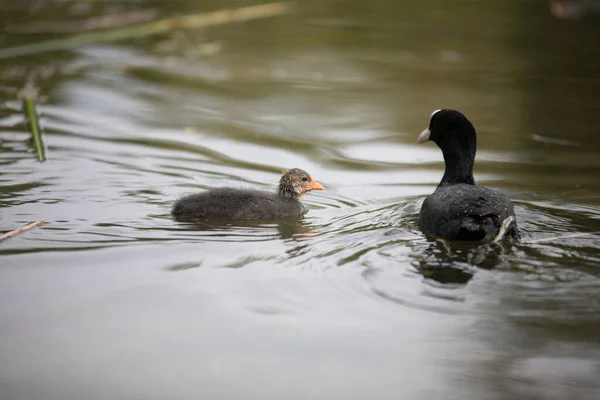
465	212
235	204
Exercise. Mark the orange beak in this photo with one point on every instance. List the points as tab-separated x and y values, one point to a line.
314	185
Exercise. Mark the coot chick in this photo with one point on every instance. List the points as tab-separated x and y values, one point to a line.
458	209
241	204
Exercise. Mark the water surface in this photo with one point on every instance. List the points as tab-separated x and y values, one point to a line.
113	298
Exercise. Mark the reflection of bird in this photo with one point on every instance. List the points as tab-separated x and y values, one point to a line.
239	204
574	9
458	209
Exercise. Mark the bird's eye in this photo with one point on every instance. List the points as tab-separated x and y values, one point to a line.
304	179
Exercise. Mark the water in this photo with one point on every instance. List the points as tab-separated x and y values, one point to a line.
112	298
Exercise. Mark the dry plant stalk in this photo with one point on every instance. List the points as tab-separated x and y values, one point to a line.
149	28
20	230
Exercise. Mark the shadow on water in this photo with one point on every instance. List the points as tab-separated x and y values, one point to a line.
287	228
447	262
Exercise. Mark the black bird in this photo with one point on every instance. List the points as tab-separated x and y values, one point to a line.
243	204
459	209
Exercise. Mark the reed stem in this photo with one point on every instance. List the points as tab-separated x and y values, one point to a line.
29	97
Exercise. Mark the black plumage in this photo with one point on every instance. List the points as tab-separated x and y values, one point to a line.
458	209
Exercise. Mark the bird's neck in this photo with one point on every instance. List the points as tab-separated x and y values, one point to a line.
286	193
459	166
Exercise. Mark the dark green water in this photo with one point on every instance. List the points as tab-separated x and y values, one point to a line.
113	299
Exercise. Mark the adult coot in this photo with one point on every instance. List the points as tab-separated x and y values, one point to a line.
239	204
458	209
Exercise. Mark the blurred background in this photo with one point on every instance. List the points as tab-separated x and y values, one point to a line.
138	106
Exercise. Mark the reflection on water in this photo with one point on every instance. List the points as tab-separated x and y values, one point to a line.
113	297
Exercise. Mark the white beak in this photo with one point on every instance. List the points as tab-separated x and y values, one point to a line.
424	136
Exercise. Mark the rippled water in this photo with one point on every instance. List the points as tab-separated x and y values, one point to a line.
113	298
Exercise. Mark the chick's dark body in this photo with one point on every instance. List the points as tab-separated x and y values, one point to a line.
236	204
244	204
